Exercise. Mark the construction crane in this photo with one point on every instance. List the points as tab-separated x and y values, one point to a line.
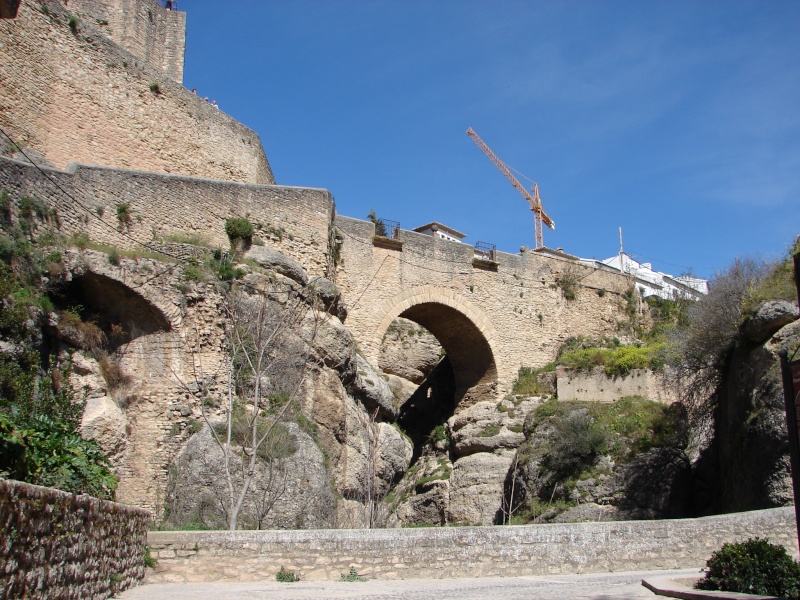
534	201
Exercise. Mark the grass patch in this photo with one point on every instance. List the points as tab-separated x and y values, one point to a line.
528	381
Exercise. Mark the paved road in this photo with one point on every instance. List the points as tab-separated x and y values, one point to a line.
610	586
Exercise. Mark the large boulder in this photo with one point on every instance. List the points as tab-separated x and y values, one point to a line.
476	488
409	351
329	294
104	422
294	493
373	391
272	259
768	319
332	342
484	428
373	456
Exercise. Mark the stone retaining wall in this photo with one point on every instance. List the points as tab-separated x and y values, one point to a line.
599	387
461	551
59	545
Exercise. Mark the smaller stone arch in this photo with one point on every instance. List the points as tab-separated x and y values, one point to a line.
465	333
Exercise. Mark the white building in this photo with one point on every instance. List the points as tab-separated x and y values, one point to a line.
443	232
655	283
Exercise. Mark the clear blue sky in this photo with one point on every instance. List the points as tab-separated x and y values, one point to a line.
678	121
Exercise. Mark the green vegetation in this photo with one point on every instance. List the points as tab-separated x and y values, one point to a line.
754	566
569	282
621	429
352	576
40	412
124	215
155	88
239	229
286	576
529	381
380	228
149	561
615	361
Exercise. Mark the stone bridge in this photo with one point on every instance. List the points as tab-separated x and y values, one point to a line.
492	315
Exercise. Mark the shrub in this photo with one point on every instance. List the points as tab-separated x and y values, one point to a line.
752	567
380	228
285	576
73	23
155	88
239	228
569	281
352	576
124	216
580	442
80	240
113	257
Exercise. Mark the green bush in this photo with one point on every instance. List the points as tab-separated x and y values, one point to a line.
239	228
286	576
124	216
752	567
352	576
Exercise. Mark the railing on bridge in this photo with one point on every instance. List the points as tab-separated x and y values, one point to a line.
485	251
387	228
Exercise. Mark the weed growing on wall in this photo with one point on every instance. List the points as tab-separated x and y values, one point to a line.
286	576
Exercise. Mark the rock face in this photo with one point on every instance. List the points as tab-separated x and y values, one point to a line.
274	260
409	351
476	488
750	453
291	493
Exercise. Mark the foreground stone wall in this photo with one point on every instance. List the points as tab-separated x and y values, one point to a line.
461	551
164	207
74	95
59	545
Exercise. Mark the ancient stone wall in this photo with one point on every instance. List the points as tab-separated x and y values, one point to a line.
73	95
516	303
143	27
599	387
59	545
163	207
461	551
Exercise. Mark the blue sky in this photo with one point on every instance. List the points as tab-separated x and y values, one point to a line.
678	121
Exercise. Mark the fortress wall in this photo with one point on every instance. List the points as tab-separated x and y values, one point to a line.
143	27
76	96
461	551
521	298
164	206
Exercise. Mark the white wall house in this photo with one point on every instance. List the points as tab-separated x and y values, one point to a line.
443	232
656	283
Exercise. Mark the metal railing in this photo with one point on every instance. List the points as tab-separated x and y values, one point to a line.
387	228
485	250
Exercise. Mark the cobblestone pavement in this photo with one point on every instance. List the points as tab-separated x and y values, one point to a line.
610	586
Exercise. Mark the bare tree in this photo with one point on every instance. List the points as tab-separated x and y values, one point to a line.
268	335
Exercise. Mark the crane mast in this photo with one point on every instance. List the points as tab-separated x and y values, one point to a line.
534	201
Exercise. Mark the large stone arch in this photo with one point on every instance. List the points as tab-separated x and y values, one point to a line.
463	330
